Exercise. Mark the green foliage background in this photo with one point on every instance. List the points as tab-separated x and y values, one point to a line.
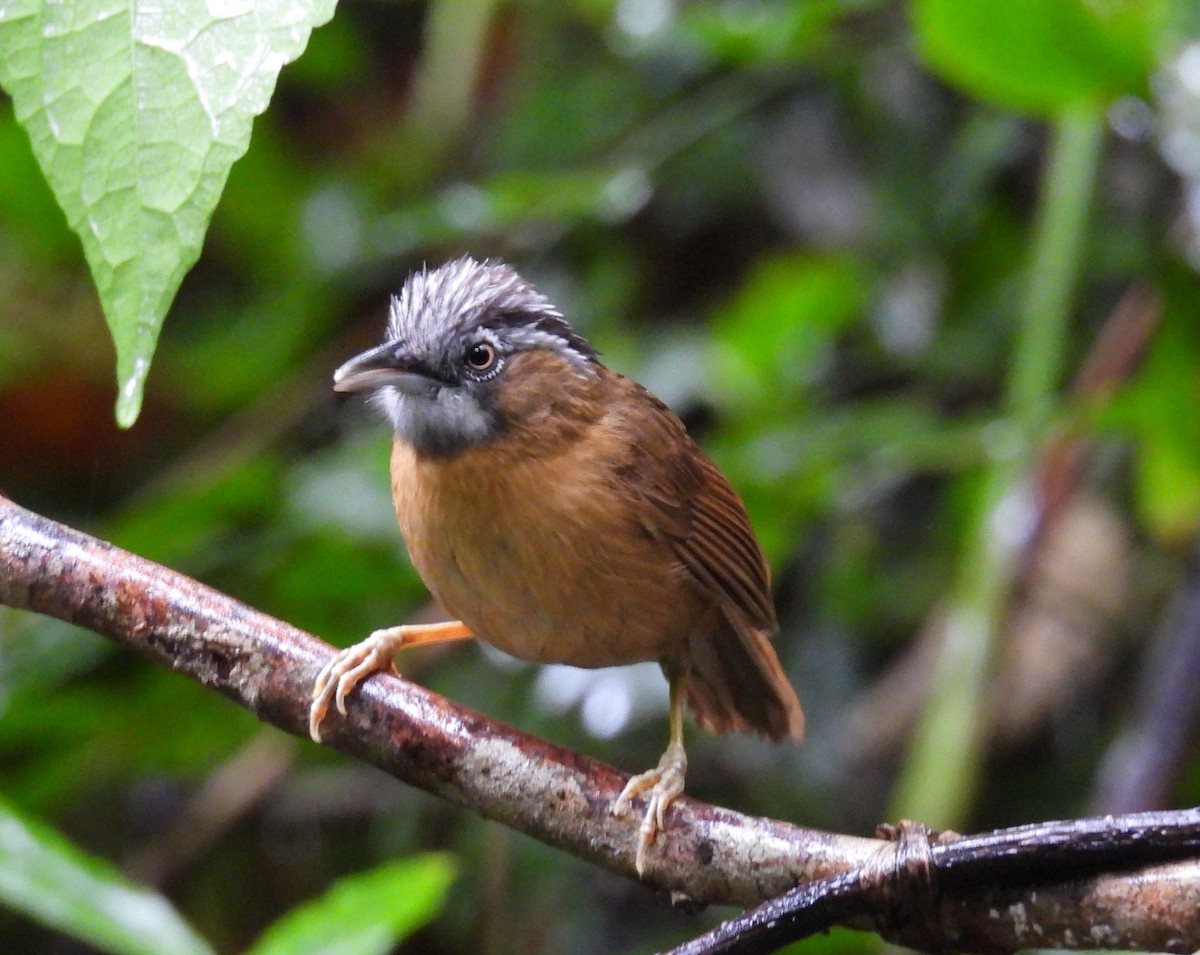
861	246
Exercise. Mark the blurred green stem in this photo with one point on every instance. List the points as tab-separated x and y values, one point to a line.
939	779
455	36
1058	246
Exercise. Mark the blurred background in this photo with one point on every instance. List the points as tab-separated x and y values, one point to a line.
935	316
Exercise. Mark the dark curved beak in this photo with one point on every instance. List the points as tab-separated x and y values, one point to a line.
388	364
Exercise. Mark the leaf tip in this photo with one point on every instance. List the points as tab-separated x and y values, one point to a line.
132	387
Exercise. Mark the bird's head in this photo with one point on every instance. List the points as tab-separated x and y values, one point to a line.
471	351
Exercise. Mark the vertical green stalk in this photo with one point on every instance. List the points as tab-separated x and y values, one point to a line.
1058	244
939	779
455	36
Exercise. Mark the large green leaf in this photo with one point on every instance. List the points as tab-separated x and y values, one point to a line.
136	110
1041	56
364	914
48	879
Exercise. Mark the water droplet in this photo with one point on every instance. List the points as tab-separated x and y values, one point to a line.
129	398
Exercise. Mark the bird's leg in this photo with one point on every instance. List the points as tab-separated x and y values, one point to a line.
664	782
355	663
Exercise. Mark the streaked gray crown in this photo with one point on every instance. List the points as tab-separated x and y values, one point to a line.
442	305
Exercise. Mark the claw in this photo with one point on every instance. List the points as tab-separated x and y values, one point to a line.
349	667
665	785
345	671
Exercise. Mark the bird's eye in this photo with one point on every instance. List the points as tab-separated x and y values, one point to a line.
481	357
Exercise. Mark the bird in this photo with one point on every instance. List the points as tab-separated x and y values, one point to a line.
560	512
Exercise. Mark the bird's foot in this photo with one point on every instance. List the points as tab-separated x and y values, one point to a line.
347	669
664	784
351	666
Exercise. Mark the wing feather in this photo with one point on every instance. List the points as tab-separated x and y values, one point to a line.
730	673
698	514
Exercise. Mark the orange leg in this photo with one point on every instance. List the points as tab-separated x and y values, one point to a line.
378	652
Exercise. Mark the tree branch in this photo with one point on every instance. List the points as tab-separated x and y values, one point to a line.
707	854
1034	886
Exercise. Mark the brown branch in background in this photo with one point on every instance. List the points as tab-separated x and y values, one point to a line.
230	792
1111	360
1144	763
706	854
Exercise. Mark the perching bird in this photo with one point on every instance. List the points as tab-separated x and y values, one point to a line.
560	512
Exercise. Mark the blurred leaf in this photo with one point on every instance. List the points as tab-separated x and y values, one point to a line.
258	223
136	114
186	523
28	213
48	879
812	463
769	340
335	58
254	343
40	653
568	109
761	33
1159	411
91	735
837	941
364	914
342	587
511	200
1168	487
1041	56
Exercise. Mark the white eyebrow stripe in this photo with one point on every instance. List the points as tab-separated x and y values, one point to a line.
529	336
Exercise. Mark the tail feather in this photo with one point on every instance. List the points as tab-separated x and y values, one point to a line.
734	683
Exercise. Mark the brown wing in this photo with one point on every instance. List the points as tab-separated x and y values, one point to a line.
732	675
704	521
